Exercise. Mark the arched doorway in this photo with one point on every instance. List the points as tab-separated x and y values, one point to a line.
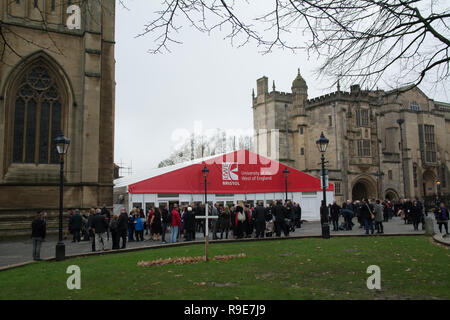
364	189
429	183
391	195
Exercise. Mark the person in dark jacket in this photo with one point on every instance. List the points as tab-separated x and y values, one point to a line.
165	222
347	213
248	223
335	211
379	209
290	214
123	227
99	227
131	225
239	222
366	212
89	226
107	215
75	225
225	221
114	227
37	235
156	224
280	222
189	224
260	220
415	214
442	217
298	215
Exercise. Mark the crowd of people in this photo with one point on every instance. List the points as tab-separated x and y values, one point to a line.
371	214
242	220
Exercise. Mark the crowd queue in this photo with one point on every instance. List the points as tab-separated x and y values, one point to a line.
239	221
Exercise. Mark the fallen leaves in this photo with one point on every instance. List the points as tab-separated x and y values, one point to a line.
187	260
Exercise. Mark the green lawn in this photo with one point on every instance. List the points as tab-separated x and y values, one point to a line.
411	268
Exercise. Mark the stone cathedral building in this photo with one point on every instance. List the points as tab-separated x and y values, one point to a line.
365	156
52	79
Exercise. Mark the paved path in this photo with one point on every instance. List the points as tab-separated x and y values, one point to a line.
19	251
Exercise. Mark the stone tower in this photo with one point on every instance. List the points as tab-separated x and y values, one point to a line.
54	79
276	117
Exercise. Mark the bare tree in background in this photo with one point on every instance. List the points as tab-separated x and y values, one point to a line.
355	40
200	146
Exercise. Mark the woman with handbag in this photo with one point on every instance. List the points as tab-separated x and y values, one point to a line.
367	216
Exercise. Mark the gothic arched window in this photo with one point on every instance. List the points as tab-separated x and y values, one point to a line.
37	118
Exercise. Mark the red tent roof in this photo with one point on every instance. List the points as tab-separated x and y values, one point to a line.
237	172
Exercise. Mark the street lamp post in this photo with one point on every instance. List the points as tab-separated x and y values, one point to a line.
286	174
322	145
62	145
205	172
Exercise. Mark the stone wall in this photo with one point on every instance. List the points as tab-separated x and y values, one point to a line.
84	60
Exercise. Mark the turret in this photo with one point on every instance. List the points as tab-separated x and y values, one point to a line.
299	91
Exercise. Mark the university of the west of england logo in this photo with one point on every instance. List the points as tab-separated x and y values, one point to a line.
230	171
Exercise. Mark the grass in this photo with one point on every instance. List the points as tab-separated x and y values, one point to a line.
411	268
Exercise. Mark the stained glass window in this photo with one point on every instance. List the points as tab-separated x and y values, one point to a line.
37	118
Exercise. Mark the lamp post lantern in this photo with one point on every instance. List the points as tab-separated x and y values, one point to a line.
286	174
62	145
322	145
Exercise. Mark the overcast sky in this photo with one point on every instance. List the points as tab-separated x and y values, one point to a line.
204	79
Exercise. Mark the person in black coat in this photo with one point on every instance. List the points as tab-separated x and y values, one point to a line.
260	220
280	222
131	227
415	213
37	235
75	225
189	224
335	211
122	227
239	222
114	227
233	221
366	212
290	214
89	227
298	215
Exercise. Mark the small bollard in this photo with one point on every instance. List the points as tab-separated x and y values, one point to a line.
429	226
